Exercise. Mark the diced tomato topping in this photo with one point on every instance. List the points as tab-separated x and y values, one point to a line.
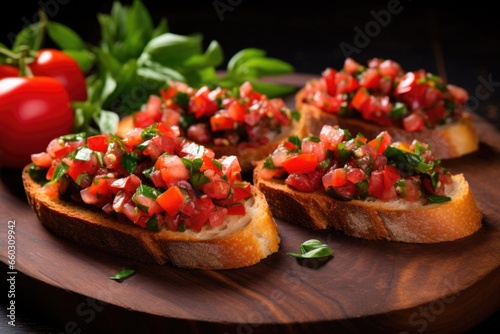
302	163
172	168
360	99
331	136
335	178
172	200
381	142
219	122
98	143
201	104
413	122
237	111
42	159
304	182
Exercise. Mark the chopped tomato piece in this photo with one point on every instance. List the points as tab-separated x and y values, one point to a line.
302	163
360	99
237	111
413	122
219	122
98	143
172	200
381	142
237	209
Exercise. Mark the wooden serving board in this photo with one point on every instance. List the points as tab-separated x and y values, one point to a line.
365	286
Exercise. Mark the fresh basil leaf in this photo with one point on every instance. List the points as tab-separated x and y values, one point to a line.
242	56
64	37
160	29
172	49
107	121
272	90
312	249
263	66
121	275
138	19
157	72
30	37
84	58
213	56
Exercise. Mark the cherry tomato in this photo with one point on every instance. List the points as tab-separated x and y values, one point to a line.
33	111
7	71
57	64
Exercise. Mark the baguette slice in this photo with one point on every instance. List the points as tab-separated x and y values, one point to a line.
240	241
447	141
395	220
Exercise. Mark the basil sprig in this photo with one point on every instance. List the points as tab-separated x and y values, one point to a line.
312	249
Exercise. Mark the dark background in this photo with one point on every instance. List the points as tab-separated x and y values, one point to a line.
459	41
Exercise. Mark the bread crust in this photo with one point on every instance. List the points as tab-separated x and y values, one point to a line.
241	241
447	141
396	220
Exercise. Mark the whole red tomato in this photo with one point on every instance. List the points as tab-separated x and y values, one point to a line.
57	64
7	71
33	111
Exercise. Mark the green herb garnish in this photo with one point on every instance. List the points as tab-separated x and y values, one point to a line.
312	249
121	275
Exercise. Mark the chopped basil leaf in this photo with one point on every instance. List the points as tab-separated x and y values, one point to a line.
295	115
193	165
434	179
398	111
181	99
295	140
185	121
121	275
74	137
38	174
142	146
149	133
152	224
148	191
438	199
344	155
198	179
60	170
129	162
312	249
407	163
313	139
269	164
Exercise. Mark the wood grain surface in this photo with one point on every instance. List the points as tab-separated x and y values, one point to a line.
366	285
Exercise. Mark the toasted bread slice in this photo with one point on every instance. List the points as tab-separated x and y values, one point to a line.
447	141
396	220
240	241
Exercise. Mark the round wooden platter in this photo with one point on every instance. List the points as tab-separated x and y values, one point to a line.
365	286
